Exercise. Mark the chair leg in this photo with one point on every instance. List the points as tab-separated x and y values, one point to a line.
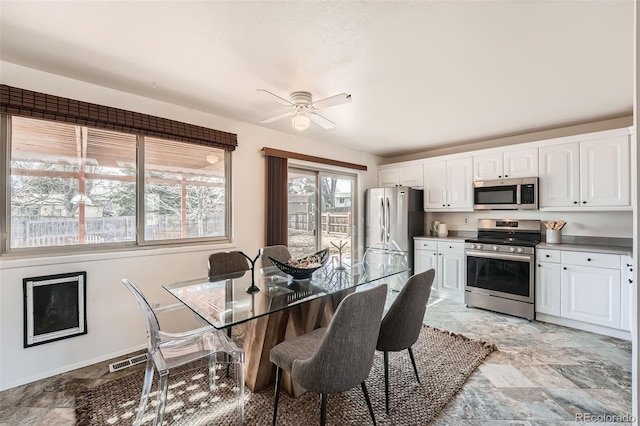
413	361
212	372
146	389
229	333
277	394
366	398
323	409
163	386
239	370
386	381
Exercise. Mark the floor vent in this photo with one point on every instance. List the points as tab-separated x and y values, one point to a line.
117	366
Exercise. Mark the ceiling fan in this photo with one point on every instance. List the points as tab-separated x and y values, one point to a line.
303	109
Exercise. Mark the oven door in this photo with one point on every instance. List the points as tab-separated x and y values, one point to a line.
500	274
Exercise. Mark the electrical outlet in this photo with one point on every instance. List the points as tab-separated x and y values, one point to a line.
466	220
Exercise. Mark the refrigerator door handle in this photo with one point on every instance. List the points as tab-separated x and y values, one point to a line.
388	222
382	221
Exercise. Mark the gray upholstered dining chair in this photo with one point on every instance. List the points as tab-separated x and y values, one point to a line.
226	263
278	252
336	358
167	351
402	323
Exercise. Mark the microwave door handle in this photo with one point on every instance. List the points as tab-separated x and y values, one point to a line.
518	194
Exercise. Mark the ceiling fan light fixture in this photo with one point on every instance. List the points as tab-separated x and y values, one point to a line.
300	122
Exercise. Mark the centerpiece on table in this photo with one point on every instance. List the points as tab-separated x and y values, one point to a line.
303	268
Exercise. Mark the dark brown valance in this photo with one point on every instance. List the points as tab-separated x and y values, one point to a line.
298	156
26	103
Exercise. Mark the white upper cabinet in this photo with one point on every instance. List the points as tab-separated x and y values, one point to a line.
406	175
559	175
411	175
435	185
447	185
604	172
585	174
511	164
388	177
488	167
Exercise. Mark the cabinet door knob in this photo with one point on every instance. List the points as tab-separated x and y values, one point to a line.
629	265
506	176
499	176
443	205
539	265
588	259
564	267
548	255
575	202
584	202
448	205
630	281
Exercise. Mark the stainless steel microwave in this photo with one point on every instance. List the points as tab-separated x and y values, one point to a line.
506	194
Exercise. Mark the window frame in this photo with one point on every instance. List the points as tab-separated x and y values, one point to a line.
320	172
139	242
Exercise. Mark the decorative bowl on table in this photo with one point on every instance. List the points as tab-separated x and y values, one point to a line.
303	268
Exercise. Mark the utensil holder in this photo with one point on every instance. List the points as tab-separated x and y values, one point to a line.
554	236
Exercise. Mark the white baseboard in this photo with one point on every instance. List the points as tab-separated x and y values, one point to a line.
67	368
598	329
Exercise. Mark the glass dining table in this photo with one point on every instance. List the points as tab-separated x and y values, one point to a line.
281	308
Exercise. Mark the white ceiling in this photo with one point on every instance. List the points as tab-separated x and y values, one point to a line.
422	74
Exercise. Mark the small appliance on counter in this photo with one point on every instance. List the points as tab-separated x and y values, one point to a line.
439	229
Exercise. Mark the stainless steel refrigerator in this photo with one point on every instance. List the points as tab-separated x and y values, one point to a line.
393	216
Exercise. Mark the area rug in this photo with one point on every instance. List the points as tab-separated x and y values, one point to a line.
445	360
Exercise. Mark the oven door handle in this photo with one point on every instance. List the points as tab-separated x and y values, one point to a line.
505	256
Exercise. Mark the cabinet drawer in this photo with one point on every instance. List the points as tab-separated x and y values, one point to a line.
425	245
450	247
552	256
598	260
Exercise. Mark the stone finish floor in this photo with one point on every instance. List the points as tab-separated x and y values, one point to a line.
542	375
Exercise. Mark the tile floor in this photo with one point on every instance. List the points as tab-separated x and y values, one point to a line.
542	375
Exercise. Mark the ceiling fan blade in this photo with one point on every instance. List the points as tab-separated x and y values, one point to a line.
283	101
342	98
278	117
321	121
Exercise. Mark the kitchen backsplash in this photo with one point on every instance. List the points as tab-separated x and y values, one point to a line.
613	224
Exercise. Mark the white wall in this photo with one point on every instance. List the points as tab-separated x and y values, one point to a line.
114	323
618	224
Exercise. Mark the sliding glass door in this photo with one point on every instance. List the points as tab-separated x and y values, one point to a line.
321	211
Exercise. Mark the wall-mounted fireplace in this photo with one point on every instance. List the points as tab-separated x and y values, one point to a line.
54	307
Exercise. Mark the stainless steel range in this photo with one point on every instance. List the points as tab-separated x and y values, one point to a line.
500	266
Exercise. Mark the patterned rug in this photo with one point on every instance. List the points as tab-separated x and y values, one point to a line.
445	360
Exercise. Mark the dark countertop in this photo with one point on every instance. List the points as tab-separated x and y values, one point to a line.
627	251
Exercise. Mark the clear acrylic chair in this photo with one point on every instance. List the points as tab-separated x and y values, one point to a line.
167	351
383	258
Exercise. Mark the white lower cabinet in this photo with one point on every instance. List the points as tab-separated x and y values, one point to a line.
627	293
447	258
548	288
584	290
591	295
